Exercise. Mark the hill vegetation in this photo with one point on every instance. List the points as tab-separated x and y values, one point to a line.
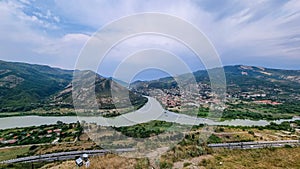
27	87
251	92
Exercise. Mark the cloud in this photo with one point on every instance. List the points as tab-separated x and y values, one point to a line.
257	31
243	32
28	38
248	29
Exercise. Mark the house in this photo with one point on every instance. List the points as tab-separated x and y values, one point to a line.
267	102
57	130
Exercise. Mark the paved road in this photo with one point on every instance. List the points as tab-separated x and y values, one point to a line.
64	155
72	154
253	145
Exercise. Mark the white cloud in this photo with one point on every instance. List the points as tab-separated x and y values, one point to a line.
21	40
255	26
242	31
70	43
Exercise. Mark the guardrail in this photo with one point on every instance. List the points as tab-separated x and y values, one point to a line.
258	144
64	155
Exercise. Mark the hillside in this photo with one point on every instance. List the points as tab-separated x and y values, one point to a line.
241	81
252	92
103	88
25	87
276	84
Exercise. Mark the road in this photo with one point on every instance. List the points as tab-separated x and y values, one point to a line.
64	155
73	154
254	145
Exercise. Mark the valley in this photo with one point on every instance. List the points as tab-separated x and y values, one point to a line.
38	116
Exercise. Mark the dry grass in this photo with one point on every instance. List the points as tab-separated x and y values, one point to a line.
193	162
82	145
237	134
108	161
280	158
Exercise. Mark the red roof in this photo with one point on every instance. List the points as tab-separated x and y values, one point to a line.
12	141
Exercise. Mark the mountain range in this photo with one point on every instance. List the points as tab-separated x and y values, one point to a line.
276	84
25	87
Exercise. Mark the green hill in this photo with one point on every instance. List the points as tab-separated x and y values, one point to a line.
251	92
277	84
25	87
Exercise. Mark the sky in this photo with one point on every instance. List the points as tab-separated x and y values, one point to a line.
53	32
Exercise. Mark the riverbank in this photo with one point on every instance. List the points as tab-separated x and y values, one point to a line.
152	110
189	147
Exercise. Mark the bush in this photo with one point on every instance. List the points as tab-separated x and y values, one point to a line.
214	139
287	146
251	132
186	164
165	164
204	162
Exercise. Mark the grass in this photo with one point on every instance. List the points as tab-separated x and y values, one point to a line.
103	162
10	153
190	151
145	130
269	158
22	165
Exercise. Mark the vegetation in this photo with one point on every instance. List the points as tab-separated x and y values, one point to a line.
203	112
38	113
253	93
145	130
190	149
11	153
23	165
191	146
27	89
286	126
107	161
42	134
247	110
267	158
25	86
214	139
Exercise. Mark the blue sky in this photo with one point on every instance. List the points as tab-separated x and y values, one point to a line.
262	32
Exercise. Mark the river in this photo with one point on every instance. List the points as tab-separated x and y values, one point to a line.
152	110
